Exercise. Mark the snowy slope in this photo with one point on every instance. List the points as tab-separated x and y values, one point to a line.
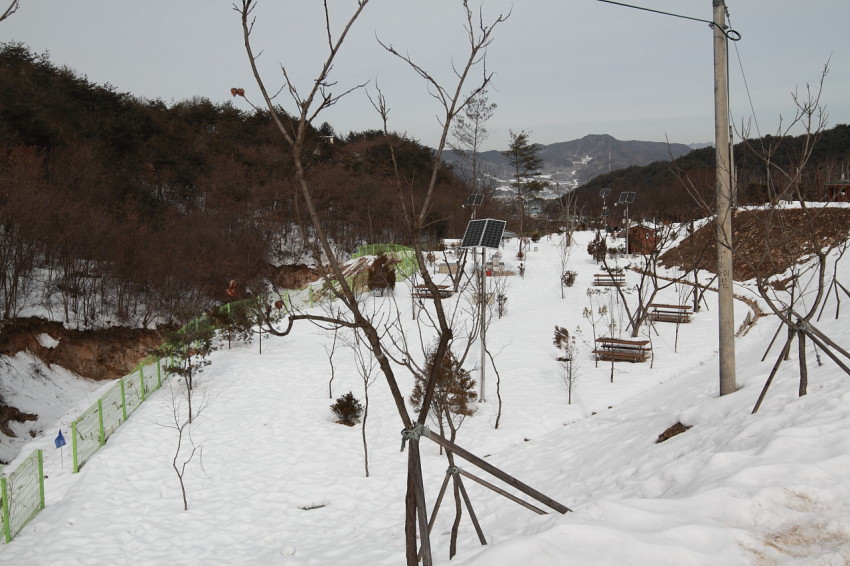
279	482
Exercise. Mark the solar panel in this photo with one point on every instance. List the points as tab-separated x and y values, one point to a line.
486	233
474	231
475	200
626	197
604	192
493	233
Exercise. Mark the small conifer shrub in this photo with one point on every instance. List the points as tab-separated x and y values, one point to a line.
348	409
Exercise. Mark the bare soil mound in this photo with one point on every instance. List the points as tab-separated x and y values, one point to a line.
765	242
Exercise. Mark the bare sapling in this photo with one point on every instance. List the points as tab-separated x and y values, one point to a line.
186	449
567	349
595	312
367	368
414	208
188	352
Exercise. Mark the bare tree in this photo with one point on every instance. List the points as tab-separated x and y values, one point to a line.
294	130
182	424
812	231
566	345
188	352
568	205
470	132
366	367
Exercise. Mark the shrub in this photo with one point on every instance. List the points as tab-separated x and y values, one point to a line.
348	409
597	248
454	393
569	277
617	251
381	274
562	342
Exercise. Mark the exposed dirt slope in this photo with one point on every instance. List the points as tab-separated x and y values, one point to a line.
96	354
765	242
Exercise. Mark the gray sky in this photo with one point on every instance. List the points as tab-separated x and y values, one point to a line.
562	68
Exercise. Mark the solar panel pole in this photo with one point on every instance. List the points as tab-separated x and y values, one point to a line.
482	305
626	216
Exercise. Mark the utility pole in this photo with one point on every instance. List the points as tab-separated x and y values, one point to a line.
723	187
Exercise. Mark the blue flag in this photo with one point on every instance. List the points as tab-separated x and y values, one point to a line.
60	440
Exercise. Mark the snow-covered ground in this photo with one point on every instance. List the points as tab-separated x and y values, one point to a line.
46	391
279	482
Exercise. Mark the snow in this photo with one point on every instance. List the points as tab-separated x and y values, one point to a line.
279	482
48	392
47	341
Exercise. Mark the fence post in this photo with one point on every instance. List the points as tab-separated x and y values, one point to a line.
76	467
158	373
100	421
123	401
142	382
41	478
4	493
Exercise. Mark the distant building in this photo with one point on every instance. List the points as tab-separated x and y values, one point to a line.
642	240
838	191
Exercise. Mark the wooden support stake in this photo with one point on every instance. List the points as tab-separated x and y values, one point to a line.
503	493
775	336
767	383
469	508
813	333
421	511
826	351
491	469
439	501
436	509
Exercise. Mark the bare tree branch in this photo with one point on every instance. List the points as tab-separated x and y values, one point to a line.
13	7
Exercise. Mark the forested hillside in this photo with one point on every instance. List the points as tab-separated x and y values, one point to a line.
664	188
141	210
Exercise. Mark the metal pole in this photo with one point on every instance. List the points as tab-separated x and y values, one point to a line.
723	185
628	226
482	305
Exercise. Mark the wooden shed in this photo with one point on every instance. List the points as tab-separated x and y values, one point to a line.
838	191
642	240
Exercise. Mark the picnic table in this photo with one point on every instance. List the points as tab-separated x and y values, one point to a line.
670	313
621	350
423	292
609	279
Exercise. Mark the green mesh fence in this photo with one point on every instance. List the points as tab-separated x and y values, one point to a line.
151	377
22	492
85	436
112	409
406	256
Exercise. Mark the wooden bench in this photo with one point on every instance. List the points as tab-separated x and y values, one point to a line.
423	292
670	313
619	350
609	280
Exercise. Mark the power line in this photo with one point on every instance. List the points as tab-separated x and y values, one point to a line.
746	85
729	33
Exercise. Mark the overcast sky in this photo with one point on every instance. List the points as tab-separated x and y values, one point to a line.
562	68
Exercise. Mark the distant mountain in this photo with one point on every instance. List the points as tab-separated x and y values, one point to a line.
700	145
573	163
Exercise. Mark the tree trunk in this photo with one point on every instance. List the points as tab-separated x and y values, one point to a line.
804	371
